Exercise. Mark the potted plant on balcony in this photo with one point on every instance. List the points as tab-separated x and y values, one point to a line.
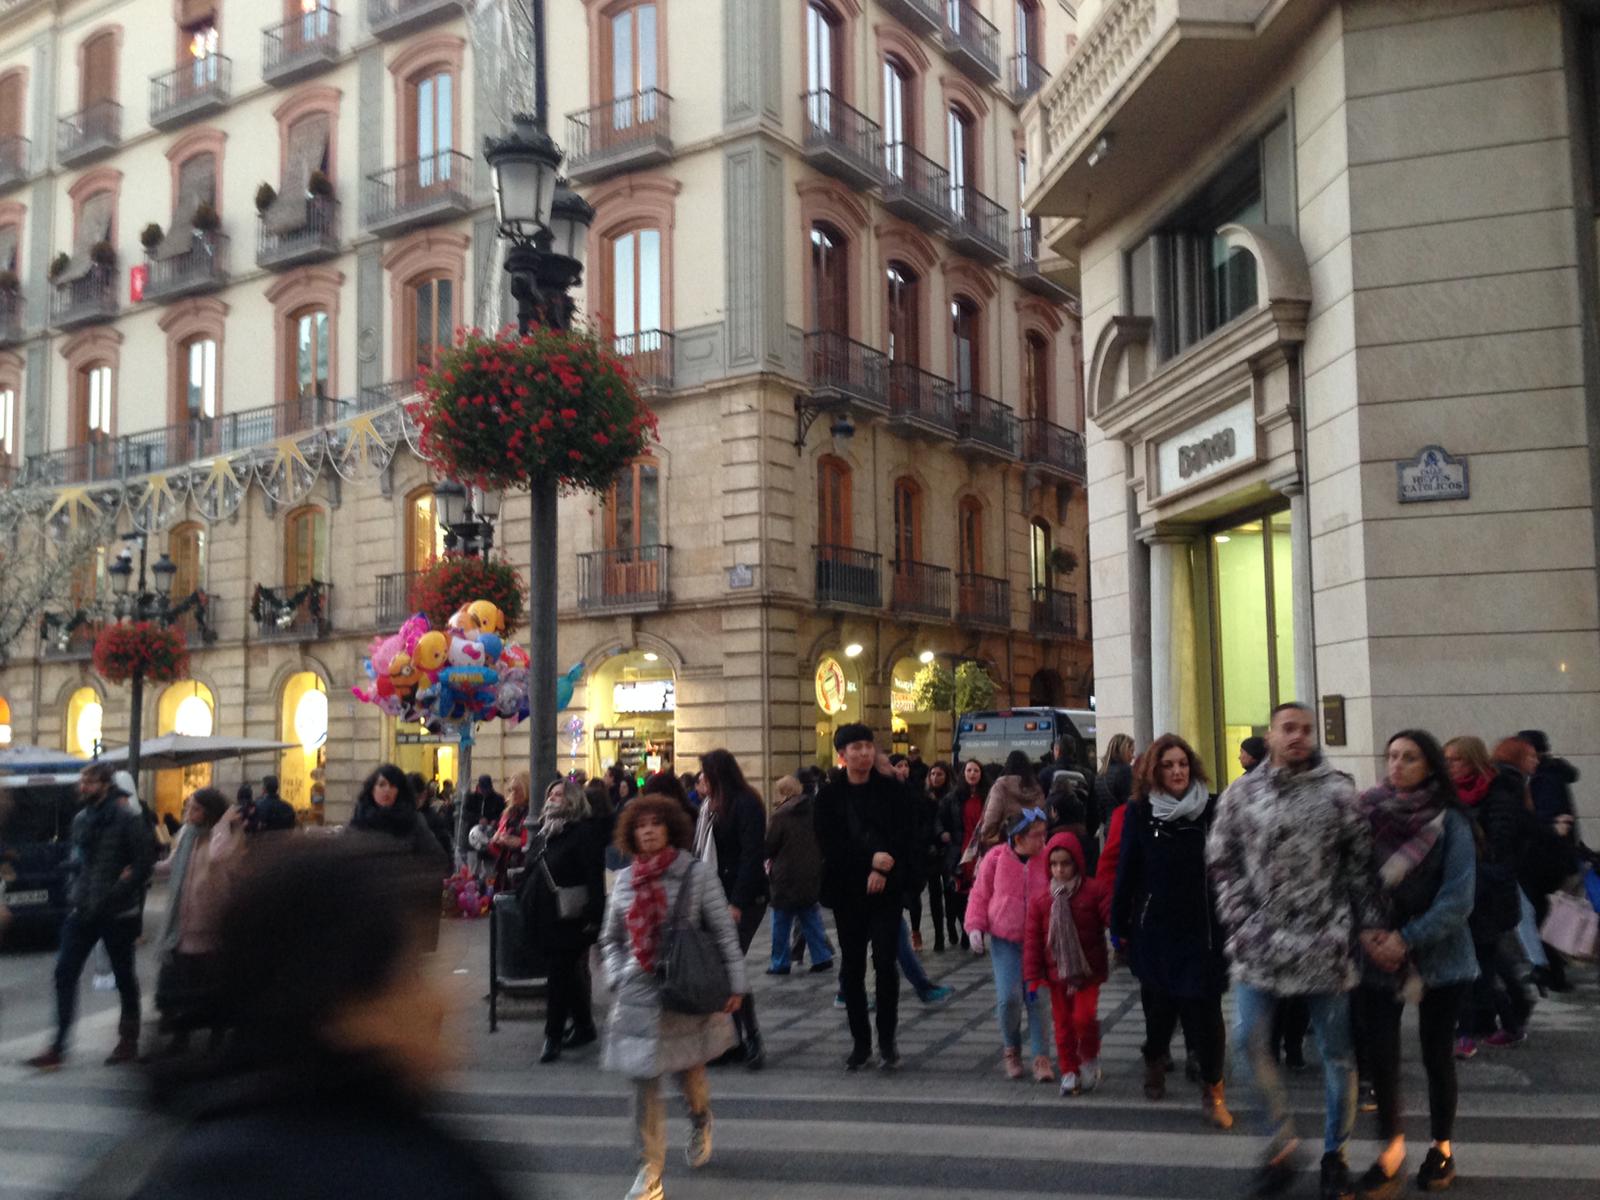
150	237
59	265
207	221
266	195
319	186
1062	560
103	255
9	285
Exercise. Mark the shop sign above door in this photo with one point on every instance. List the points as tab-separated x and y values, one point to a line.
1434	474
1211	447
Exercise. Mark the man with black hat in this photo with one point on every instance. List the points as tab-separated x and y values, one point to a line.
863	821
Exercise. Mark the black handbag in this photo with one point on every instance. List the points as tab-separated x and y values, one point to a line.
694	978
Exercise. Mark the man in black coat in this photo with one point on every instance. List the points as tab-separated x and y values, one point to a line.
112	857
271	813
863	823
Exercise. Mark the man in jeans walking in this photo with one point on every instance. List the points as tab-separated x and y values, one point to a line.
112	857
1292	862
863	823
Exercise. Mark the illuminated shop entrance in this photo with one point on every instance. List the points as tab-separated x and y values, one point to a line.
185	708
1253	629
632	701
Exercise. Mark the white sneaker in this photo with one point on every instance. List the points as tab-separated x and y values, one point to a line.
698	1153
1069	1083
1090	1075
646	1187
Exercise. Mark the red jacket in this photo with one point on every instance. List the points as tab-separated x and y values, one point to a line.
1106	870
1091	913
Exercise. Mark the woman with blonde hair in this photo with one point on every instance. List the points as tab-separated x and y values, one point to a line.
510	843
795	877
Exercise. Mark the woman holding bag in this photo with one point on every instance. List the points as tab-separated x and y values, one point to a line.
645	1039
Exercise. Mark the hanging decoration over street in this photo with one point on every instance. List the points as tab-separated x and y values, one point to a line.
453	583
125	649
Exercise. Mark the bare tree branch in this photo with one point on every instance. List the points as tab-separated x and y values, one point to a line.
36	573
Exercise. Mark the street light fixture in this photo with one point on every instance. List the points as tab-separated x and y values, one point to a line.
524	165
450	502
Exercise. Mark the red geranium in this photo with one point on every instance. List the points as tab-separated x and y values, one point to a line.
457	579
157	652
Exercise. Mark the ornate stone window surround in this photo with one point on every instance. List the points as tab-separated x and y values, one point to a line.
201	317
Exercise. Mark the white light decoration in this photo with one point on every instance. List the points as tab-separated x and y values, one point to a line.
88	728
193	718
925	657
853	649
311	720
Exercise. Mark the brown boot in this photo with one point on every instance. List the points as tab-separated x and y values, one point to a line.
1214	1106
127	1048
1155	1079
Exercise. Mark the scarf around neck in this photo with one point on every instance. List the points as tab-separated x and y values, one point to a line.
1182	808
648	912
1066	950
1405	826
1473	789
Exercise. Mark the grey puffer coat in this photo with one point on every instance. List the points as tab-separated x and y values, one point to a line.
643	1040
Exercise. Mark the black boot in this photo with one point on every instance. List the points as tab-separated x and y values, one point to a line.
551	1050
755	1053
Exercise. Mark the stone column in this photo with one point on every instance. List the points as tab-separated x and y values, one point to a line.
1305	641
1174	702
1139	643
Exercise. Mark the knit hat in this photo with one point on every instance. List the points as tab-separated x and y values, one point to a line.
853	732
1538	739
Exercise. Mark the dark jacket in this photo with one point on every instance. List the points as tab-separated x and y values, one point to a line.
408	828
791	844
107	839
576	858
1505	829
229	1138
927	851
1164	907
740	831
270	813
854	822
949	825
1551	786
1112	789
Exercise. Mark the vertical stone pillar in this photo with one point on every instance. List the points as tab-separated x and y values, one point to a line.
1305	640
1174	698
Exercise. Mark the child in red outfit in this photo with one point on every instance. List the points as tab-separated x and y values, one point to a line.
1064	947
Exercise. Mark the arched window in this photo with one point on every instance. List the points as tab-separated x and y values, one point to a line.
430	318
633	302
1029	32
310	340
824	52
186	545
1035	378
907	522
93	403
97	82
305	548
84	718
630	67
905	310
430	124
1039	546
961	146
899	118
830	280
197	186
964	345
969	536
424	534
834	522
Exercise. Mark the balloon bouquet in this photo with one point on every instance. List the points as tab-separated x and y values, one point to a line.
450	678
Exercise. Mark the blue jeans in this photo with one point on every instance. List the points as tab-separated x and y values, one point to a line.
910	964
78	937
811	929
1010	998
1252	1047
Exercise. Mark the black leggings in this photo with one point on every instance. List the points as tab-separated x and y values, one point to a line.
935	886
1497	996
744	1020
1380	1010
1203	1029
567	994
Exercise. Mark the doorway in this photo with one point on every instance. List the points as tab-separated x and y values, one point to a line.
1252	602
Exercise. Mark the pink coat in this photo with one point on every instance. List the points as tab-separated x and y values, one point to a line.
998	905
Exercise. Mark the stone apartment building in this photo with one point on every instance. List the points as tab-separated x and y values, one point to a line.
808	242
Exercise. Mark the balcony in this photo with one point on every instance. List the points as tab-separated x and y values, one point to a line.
921	16
985	427
84	136
980	228
194	633
916	188
315	239
1024	78
299	47
1052	613
921	404
201	268
920	589
293	614
1054	450
16	157
197	88
432	189
396	18
1027	245
844	373
87	300
630	579
98	461
971	41
75	645
983	601
629	133
12	308
848	576
648	355
394	598
842	141
381	395
10	476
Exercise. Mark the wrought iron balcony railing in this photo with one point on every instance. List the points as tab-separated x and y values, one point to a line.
648	354
841	140
980	226
920	589
16	159
194	89
434	188
984	600
203	267
304	44
81	136
85	300
629	577
12	308
627	133
397	18
986	424
915	187
845	575
316	239
841	368
1024	77
1054	448
1053	612
971	40
394	598
921	400
293	614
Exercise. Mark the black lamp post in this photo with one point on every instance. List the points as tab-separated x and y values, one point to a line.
547	226
141	605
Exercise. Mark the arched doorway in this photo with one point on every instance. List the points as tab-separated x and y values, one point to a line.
190	709
303	720
411	747
1047	689
837	685
631	716
913	726
84	723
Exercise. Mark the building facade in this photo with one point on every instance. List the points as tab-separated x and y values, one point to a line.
808	243
1337	263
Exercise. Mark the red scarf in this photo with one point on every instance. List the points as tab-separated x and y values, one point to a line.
1472	789
648	912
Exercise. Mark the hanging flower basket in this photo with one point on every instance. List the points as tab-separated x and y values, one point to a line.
458	579
500	411
157	652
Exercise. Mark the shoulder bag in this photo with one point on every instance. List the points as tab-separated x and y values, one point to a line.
571	902
694	979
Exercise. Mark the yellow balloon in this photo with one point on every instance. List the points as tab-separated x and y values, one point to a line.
433	648
487	616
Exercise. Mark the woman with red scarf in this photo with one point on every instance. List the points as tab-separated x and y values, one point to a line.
644	1040
960	813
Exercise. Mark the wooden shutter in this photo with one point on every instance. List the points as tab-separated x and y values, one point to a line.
94	225
11	105
307	152
99	69
197	185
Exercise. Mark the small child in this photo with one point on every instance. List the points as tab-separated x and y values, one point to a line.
1065	948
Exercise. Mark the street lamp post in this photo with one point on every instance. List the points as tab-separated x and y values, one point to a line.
546	225
141	605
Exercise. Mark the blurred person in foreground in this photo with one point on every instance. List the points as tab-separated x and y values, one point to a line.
339	1038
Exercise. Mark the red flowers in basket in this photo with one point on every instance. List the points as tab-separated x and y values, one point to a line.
458	579
157	652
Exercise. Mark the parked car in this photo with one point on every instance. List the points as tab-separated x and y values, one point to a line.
34	846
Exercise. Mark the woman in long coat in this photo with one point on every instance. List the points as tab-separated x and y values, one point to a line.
643	1039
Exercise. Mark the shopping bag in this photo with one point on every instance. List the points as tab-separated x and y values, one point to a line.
1572	927
1528	934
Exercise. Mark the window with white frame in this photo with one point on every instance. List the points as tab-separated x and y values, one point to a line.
201	393
97	391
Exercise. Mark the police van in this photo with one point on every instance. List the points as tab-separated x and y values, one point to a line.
991	736
35	845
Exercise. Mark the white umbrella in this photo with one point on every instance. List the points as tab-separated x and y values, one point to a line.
185	750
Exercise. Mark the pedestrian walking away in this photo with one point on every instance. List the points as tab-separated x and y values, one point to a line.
111	861
739	830
863	823
961	817
1008	879
644	1039
1012	793
795	877
1424	861
1291	858
1164	911
1064	950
